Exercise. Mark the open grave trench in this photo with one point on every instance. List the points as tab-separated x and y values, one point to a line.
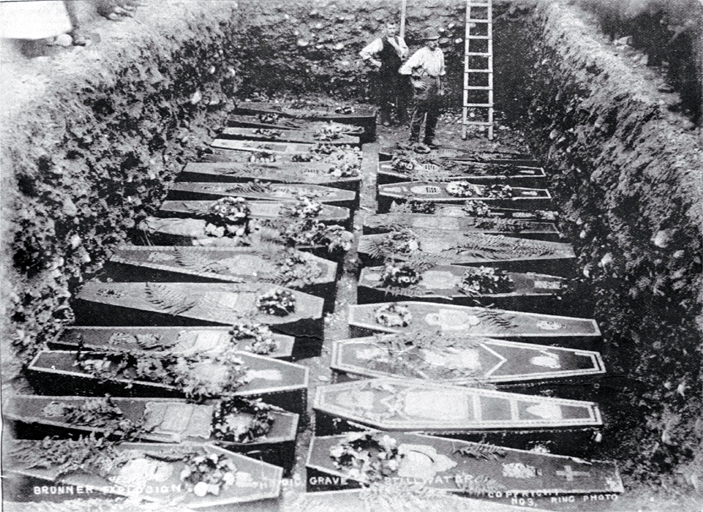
95	152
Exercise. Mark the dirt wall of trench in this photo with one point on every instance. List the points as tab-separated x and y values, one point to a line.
630	182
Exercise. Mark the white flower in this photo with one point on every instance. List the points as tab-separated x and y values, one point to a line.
201	489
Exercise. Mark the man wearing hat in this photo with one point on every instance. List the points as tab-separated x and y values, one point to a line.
426	70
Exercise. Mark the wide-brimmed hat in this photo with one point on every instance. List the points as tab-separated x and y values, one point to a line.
431	33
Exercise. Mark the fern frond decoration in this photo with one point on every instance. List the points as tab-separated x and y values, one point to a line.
481	245
497	318
249	187
477	485
504	225
193	259
169	299
403	291
484	451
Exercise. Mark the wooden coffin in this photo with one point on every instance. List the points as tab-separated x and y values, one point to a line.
473	321
277	122
448	210
152	474
527	198
265	210
165	420
383	223
473	172
225	264
294	136
195	304
360	116
443	283
176	340
56	372
464	361
278	148
457	467
263	192
462	155
458	248
317	173
510	419
193	232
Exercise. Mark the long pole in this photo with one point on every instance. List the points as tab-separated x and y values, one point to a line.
403	10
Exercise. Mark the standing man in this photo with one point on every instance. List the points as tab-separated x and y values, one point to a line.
386	54
426	70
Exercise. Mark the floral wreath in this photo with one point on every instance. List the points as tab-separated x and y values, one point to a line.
477	209
462	189
305	208
263	342
486	280
207	473
262	157
402	276
259	424
276	302
499	191
367	456
393	315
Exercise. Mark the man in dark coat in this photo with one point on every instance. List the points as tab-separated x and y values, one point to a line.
386	54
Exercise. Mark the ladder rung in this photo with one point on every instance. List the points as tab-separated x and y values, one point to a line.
478	37
485	54
485	105
478	88
481	123
478	71
478	20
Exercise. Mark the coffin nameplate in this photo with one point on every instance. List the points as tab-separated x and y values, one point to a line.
179	420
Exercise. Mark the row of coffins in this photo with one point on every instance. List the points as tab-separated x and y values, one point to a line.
457	305
187	346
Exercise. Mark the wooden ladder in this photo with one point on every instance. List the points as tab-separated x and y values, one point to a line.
478	65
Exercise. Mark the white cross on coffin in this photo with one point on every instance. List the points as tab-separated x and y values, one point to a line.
569	473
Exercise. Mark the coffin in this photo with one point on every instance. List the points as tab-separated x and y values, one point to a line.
453	466
448	210
265	210
444	283
291	268
151	475
461	155
383	223
463	361
277	122
279	148
187	232
430	192
317	173
294	136
56	372
263	192
459	248
176	340
468	321
510	419
195	304
360	116
165	421
472	171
